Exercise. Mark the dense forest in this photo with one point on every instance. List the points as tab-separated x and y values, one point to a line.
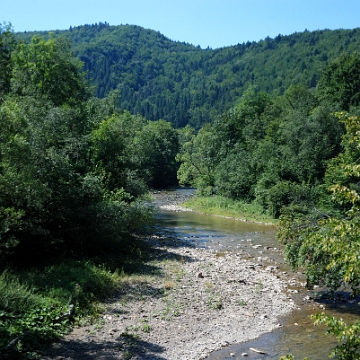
275	123
184	84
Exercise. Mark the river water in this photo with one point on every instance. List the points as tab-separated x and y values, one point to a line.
297	334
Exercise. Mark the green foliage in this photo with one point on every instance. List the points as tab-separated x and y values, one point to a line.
113	153
198	158
21	191
183	84
340	81
34	304
235	175
348	336
7	45
288	196
328	247
71	167
135	154
43	157
272	151
46	68
238	132
22	311
157	146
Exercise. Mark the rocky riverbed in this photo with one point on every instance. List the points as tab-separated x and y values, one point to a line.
191	302
197	302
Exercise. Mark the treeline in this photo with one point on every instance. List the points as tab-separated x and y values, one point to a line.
184	84
285	153
274	150
73	168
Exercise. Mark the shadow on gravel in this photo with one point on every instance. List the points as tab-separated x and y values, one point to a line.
139	289
126	346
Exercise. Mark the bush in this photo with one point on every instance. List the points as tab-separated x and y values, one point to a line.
286	194
34	304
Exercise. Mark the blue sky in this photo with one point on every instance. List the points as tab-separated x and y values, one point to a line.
214	23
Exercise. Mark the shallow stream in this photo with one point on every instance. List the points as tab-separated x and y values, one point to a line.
297	335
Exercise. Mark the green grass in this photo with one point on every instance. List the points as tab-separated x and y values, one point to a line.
221	206
33	303
35	299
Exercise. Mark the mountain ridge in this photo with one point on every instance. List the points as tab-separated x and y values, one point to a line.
159	78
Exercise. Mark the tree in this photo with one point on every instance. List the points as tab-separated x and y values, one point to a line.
22	194
7	45
198	158
114	154
43	175
301	137
53	198
328	247
158	144
235	175
237	134
340	81
47	68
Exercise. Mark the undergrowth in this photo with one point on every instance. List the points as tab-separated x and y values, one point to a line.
42	302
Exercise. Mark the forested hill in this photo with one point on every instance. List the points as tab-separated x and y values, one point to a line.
184	84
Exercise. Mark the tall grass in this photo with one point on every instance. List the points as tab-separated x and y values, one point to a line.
34	303
15	296
221	206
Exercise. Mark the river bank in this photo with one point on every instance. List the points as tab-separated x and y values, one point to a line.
232	209
185	303
194	302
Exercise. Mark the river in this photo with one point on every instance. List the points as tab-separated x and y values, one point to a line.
297	335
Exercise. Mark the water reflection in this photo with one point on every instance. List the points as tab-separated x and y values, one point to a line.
211	231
